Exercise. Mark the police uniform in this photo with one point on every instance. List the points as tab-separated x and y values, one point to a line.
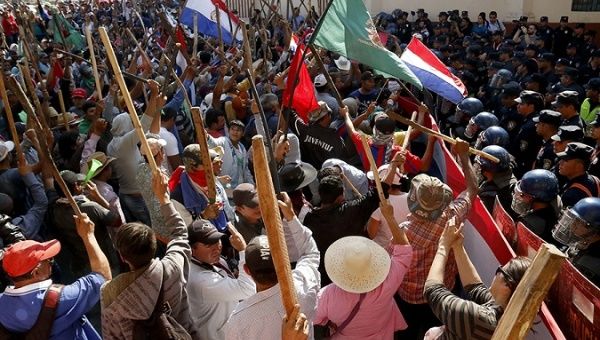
562	37
569	97
545	32
541	222
526	143
581	186
587	261
546	158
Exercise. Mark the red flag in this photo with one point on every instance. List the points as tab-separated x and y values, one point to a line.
301	91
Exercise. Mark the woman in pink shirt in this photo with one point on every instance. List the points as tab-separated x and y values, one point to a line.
360	301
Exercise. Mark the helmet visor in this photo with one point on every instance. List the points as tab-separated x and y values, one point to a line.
563	231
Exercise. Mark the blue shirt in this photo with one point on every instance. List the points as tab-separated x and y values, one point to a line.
20	307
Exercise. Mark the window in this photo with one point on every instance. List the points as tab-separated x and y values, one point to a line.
585	5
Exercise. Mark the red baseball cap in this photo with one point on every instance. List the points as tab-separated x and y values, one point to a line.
79	93
22	257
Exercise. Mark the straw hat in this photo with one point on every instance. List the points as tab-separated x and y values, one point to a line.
357	264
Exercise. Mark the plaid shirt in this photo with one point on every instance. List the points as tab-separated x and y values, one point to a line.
424	236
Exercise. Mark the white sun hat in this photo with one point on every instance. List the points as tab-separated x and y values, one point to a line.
342	63
383	171
357	264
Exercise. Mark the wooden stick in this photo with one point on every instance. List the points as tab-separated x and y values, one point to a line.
448	139
373	167
9	116
352	187
74	56
135	77
63	110
44	146
38	106
195	48
90	43
204	154
139	47
529	294
110	53
247	52
219	29
185	94
272	220
330	82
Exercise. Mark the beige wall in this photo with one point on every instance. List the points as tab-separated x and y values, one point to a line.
507	9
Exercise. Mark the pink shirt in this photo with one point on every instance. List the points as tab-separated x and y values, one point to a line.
378	316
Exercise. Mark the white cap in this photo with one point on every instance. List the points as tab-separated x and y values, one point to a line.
342	63
320	80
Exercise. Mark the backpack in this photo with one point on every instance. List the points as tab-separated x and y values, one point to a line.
43	325
161	325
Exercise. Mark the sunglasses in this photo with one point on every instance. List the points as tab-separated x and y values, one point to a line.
509	279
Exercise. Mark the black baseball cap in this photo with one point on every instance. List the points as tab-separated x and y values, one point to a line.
567	98
245	195
530	97
203	231
593	84
549	117
568	132
576	150
258	255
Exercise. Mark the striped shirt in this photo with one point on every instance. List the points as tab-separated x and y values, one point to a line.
474	318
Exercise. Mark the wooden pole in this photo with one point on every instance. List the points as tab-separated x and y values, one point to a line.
38	106
110	53
9	116
448	139
57	177
204	154
90	43
272	220
269	143
63	110
373	167
219	29
195	48
139	47
529	294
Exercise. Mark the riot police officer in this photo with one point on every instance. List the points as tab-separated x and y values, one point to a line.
497	178
525	145
573	164
478	123
546	126
567	103
494	135
579	229
535	201
466	109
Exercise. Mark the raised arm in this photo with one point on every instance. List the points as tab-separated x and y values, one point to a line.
98	261
461	149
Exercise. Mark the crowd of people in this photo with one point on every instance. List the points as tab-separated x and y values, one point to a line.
184	243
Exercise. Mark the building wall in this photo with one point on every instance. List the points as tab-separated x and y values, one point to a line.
508	10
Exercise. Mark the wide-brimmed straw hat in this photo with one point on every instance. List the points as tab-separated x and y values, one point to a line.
357	264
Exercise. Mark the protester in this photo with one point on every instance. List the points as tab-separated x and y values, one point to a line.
431	205
365	281
131	297
213	289
479	313
258	316
29	265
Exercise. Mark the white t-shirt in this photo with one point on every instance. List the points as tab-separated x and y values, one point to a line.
400	204
171	149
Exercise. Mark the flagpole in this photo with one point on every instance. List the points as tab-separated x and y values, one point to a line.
310	41
268	141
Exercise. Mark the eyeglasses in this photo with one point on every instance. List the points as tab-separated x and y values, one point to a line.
511	283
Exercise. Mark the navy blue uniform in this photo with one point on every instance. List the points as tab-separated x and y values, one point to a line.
525	146
546	158
580	187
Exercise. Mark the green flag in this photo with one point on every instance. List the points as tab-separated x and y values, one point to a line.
347	29
96	164
72	37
